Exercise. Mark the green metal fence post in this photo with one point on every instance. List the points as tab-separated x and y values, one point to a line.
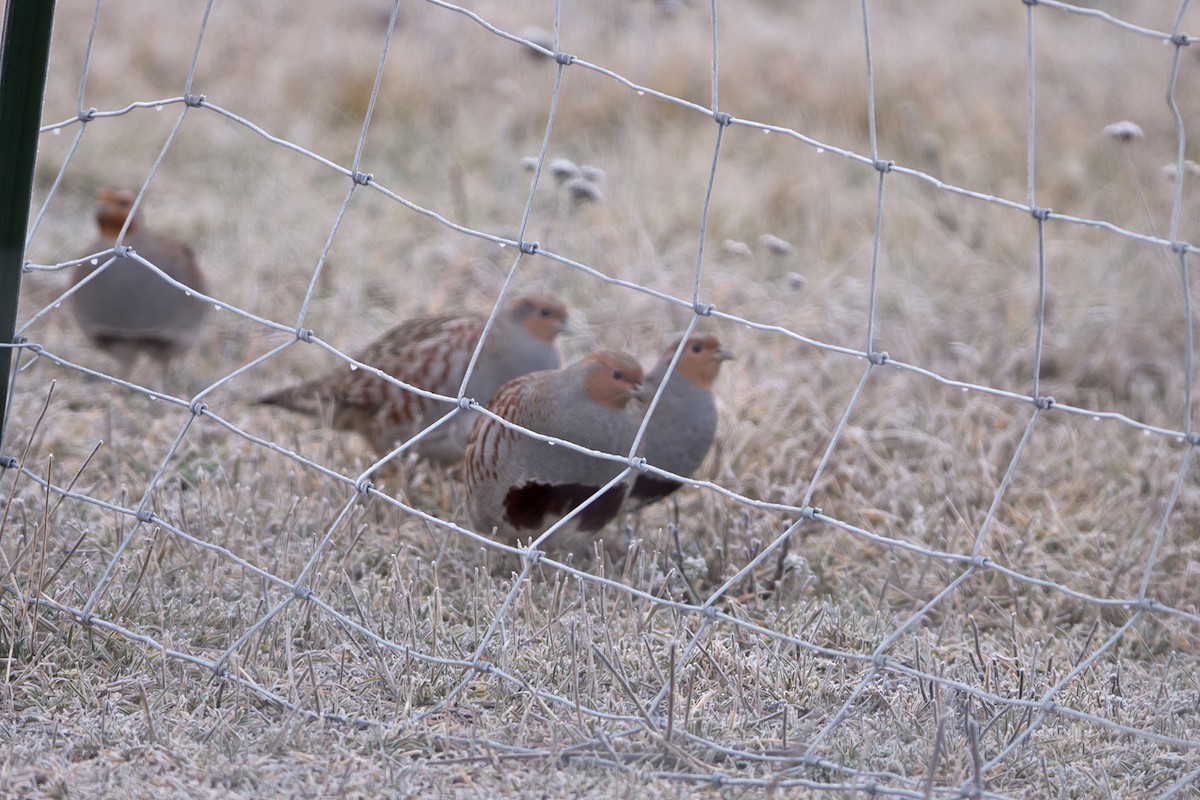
24	54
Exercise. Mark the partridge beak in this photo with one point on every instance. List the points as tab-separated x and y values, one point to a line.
565	327
638	392
724	355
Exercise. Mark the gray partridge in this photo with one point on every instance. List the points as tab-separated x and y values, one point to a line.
518	486
681	431
431	353
127	309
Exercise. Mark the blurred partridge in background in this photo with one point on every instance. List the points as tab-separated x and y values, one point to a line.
127	309
431	353
519	486
681	431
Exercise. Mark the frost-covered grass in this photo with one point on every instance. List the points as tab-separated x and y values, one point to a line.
594	690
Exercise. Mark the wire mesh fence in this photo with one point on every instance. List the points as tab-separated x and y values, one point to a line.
809	616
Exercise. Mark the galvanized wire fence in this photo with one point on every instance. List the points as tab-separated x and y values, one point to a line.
706	758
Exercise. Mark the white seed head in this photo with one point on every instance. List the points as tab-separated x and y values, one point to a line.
1123	131
593	174
1170	172
776	245
563	170
583	191
736	248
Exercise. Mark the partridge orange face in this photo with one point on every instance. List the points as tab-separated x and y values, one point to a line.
543	316
613	379
112	209
700	361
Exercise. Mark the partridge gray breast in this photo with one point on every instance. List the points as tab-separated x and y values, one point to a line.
684	424
518	486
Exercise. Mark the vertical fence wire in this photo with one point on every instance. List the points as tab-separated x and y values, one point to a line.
719	611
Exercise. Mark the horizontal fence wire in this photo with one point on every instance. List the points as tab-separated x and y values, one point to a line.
812	766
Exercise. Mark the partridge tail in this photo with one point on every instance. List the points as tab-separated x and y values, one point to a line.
308	398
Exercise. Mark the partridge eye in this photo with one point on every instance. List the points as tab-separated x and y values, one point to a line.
618	375
696	348
545	312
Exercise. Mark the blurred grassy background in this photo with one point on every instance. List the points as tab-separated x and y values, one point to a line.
458	111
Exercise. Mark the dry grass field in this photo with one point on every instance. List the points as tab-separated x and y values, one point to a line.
990	600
